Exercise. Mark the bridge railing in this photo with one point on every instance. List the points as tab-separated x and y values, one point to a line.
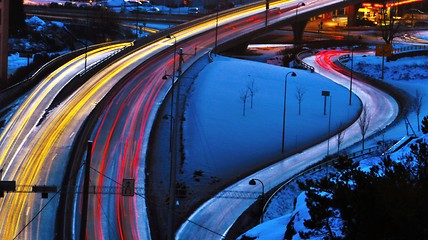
300	62
411	48
317	167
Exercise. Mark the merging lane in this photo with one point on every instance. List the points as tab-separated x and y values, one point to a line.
24	141
214	218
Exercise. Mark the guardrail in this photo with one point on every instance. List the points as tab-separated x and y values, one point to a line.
317	167
411	48
299	60
98	63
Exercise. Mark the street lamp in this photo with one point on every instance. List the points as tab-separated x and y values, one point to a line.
285	101
172	149
300	4
253	182
352	70
169	36
326	94
267	10
87	32
136	23
216	30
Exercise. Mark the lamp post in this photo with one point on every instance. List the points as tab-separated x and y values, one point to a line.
172	151
300	4
253	182
329	128
352	70
136	23
169	36
87	32
216	30
267	10
285	101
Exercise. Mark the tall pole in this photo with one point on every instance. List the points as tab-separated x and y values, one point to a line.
296	30
86	39
85	193
173	153
253	182
267	10
297	8
352	70
216	31
329	125
285	102
136	24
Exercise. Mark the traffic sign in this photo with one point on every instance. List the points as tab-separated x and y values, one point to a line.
128	187
384	50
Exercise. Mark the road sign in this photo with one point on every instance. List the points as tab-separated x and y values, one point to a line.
128	187
384	50
7	186
25	54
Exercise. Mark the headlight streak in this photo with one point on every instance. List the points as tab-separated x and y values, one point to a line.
11	218
52	134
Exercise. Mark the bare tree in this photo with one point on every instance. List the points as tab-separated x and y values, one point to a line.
252	91
340	137
364	123
418	107
388	23
300	92
244	96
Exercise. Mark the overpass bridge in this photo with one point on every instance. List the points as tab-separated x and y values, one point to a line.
152	50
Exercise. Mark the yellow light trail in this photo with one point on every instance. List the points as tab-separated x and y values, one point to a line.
94	90
21	117
10	214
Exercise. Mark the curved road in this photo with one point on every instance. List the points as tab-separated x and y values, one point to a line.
24	140
34	154
214	218
120	139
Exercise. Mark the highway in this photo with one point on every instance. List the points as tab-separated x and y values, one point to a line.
214	218
28	147
123	130
34	154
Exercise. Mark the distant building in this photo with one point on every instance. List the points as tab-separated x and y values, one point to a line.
4	33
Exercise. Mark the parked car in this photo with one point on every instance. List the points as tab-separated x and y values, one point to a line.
84	5
193	10
55	4
70	5
153	10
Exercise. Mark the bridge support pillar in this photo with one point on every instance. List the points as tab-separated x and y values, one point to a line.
298	29
241	48
351	12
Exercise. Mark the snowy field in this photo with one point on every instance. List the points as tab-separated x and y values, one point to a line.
409	74
226	134
221	139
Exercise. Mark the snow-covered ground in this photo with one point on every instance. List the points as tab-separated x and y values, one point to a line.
409	74
223	139
116	5
216	123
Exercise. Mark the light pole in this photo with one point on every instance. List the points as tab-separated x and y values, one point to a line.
169	36
253	182
87	32
216	31
300	4
267	10
329	128
172	149
136	23
285	101
352	70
